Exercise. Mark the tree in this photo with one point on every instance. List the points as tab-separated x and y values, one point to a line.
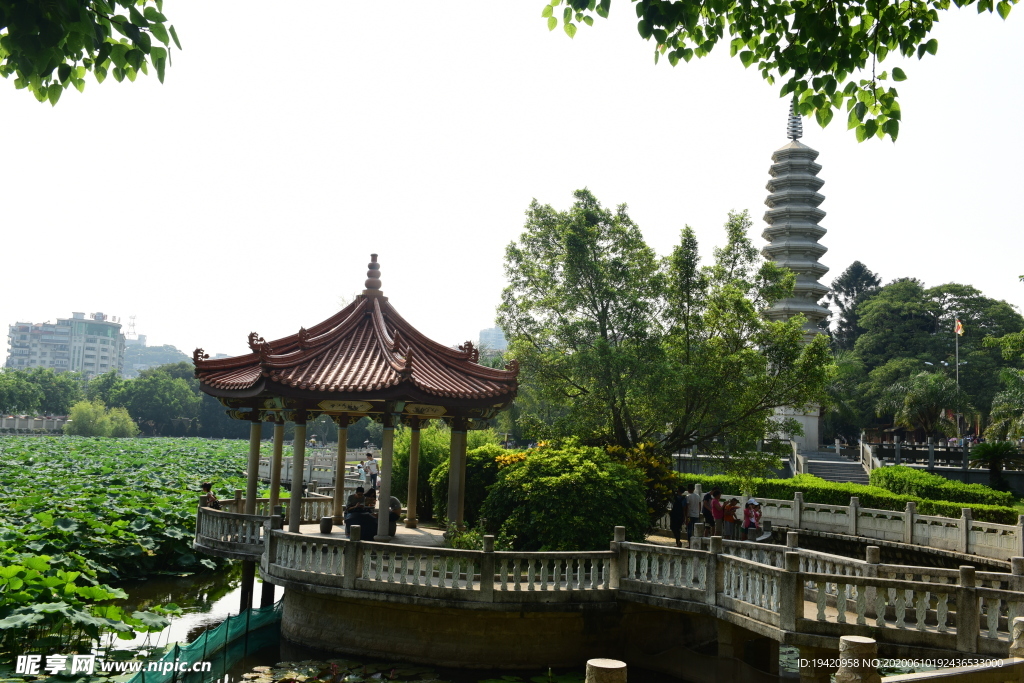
103	387
88	418
925	401
812	47
1008	407
157	399
60	390
853	286
18	395
50	46
995	456
621	349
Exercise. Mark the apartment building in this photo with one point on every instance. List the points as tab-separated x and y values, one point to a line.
90	345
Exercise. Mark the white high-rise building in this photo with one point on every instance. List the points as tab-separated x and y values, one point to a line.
90	345
493	339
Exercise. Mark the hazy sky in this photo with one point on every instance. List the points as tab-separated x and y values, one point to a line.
291	141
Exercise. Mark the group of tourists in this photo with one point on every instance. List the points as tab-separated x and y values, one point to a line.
720	517
361	510
368	470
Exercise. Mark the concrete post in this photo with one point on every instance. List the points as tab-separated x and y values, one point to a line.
339	470
414	474
698	535
461	518
854	513
857	655
606	671
387	452
253	475
248	582
454	471
931	453
798	504
275	465
1020	535
353	558
619	565
791	599
298	467
275	523
967	626
487	569
896	449
908	522
714	579
1016	573
839	447
967	455
965	530
792	539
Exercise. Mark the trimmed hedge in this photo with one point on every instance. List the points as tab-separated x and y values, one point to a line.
818	490
913	482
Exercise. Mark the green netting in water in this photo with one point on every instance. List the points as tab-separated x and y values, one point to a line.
222	640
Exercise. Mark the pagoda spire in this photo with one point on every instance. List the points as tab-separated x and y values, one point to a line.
792	229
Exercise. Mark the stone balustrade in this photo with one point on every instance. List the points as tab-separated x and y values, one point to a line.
228	534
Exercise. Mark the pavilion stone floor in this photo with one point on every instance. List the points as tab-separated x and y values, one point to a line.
422	536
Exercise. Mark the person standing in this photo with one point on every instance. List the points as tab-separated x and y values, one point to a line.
692	511
210	500
677	515
717	511
370	465
709	519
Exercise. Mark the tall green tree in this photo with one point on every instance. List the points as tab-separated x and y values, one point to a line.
60	389
50	46
156	399
812	48
849	290
19	395
924	401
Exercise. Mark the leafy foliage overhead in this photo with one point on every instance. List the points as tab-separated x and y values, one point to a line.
825	54
50	46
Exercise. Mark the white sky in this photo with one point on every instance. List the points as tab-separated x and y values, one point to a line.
247	192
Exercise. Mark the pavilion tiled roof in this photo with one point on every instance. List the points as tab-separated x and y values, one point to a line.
366	347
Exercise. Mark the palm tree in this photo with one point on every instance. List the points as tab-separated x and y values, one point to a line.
1008	407
924	400
995	455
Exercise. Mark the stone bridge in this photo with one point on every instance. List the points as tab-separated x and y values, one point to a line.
662	608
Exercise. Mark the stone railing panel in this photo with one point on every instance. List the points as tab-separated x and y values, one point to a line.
1000	541
221	530
996	611
553	572
937	532
750	588
309	559
885	525
821	517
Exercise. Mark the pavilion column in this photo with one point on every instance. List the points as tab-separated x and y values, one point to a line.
414	473
253	475
339	469
455	470
460	519
387	451
298	471
275	466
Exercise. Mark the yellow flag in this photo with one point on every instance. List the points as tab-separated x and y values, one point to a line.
959	327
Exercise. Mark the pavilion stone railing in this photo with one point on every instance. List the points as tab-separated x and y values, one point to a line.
313	507
318	467
962	535
468	575
232	532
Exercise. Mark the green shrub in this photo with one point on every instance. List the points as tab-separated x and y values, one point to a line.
568	498
817	490
909	481
481	472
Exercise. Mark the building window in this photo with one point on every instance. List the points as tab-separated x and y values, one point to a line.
90	348
90	365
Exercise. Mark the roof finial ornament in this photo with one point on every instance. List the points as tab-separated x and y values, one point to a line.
795	126
373	276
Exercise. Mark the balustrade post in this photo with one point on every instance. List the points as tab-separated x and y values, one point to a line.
698	534
792	539
798	505
1017	636
965	530
1017	573
967	455
908	522
620	564
199	516
487	569
856	660
791	599
238	500
1020	535
353	558
931	453
967	626
853	513
896	449
714	570
873	556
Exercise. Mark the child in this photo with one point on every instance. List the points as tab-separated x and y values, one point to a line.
752	515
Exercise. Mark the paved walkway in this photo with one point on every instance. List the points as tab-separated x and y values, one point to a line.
422	536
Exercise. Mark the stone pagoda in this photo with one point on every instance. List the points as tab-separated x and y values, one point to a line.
793	231
792	234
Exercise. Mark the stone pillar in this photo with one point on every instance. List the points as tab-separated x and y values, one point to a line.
455	469
487	570
1017	635
857	657
896	449
908	522
387	452
714	578
873	556
965	530
298	469
267	594
414	473
1016	573
275	465
798	504
253	475
606	671
461	518
248	581
339	469
967	626
967	456
791	593
931	453
792	539
854	513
